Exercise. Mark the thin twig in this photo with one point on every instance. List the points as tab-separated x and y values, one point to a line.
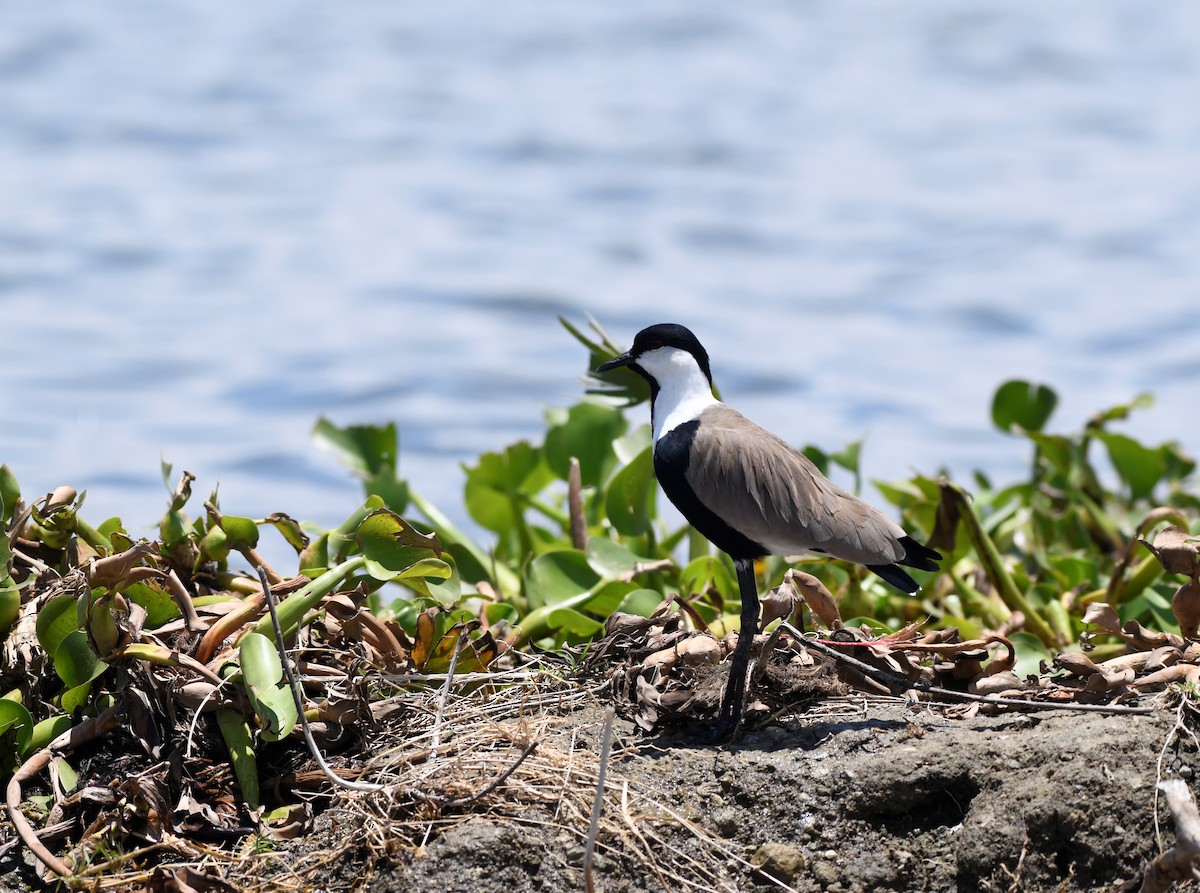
887	677
1162	753
298	697
589	848
442	698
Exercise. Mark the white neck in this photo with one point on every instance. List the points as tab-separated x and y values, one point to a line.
683	389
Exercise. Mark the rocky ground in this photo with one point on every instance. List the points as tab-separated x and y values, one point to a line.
852	794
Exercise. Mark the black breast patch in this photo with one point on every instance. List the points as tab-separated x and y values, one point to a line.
672	453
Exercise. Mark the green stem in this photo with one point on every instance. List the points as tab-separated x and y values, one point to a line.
559	518
293	608
993	564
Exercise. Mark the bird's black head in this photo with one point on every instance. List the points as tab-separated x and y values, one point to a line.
659	336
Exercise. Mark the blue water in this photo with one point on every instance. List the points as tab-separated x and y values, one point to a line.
219	221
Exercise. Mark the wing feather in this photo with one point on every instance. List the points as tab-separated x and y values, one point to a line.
775	495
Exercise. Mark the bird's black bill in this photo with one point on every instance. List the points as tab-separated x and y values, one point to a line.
616	363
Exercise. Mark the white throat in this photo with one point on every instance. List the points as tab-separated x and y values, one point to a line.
683	390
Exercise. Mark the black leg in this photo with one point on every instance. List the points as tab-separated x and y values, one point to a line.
730	716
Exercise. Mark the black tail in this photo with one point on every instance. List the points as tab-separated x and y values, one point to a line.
921	557
892	574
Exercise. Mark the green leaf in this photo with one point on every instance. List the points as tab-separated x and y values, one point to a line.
630	446
240	742
1151	608
817	457
214	546
1031	651
160	607
74	699
609	558
393	546
289	528
1177	463
474	564
10	492
850	458
55	620
629	500
10	599
367	449
1139	467
1059	451
444	585
419	574
707	572
269	695
498	487
343	539
1122	410
642	602
48	729
391	489
68	778
75	662
574	623
241	533
16	726
315	556
622	385
607	597
557	576
587	434
1022	406
111	526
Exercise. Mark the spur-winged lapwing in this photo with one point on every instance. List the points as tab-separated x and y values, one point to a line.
750	493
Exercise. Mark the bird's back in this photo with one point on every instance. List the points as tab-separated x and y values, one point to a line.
773	495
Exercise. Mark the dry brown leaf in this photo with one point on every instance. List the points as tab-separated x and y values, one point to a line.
819	599
996	684
1164	677
1186	607
699	650
125	567
1109	683
1104	616
1177	549
288	823
1162	657
1076	663
1137	636
186	880
778	604
648	699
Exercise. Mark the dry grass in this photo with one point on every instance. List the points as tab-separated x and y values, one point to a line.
439	770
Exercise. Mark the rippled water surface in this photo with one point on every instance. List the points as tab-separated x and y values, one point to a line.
221	220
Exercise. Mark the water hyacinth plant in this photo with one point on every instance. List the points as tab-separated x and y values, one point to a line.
160	650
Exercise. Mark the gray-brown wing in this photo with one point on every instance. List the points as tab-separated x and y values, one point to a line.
773	494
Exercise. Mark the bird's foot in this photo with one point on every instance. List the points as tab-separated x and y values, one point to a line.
726	729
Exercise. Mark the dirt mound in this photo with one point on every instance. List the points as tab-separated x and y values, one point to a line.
856	795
